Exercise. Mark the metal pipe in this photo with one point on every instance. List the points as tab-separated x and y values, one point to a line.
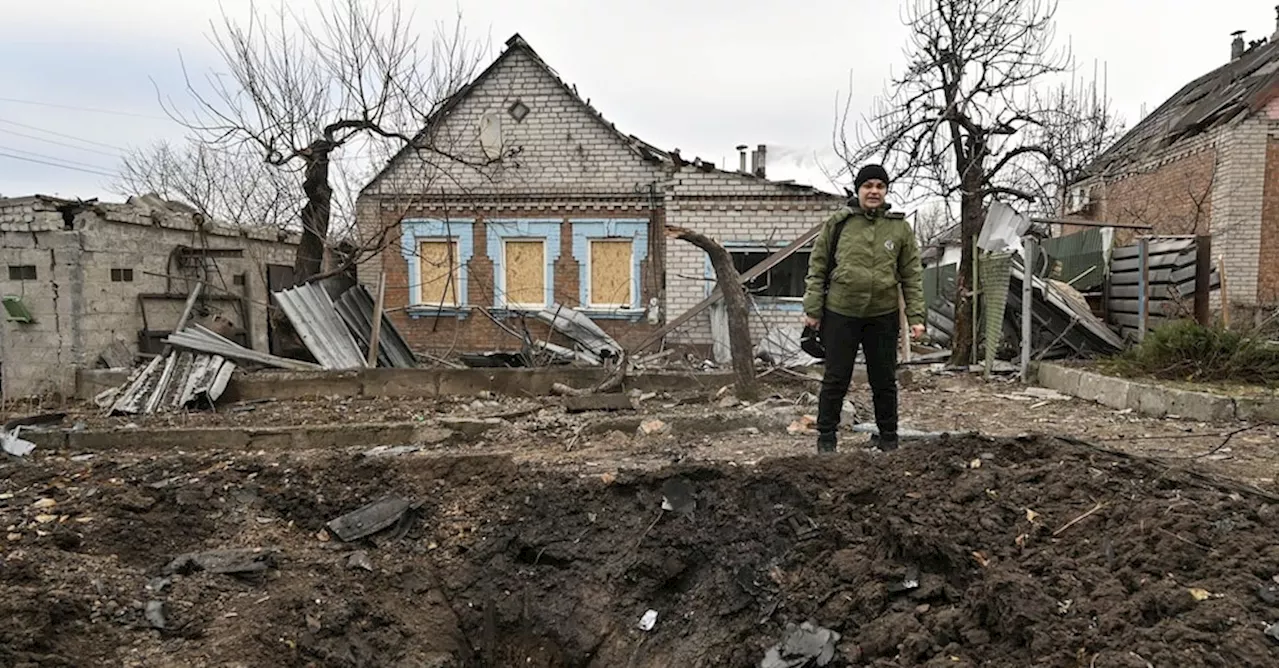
1028	269
1088	223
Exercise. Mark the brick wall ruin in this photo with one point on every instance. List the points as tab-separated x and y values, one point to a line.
79	268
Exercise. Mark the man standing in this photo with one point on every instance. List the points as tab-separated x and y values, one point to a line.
854	302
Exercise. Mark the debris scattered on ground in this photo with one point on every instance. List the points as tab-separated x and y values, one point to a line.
653	426
648	620
12	443
360	559
155	614
369	519
249	560
802	645
598	402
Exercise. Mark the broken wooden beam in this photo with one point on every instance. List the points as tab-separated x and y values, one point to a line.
751	274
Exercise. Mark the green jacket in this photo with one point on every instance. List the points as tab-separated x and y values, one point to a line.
877	253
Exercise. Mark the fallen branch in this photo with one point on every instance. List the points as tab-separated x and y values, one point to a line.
1068	525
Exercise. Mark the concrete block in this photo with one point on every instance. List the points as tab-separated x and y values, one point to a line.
1150	400
1200	406
1258	409
1106	390
1057	377
598	402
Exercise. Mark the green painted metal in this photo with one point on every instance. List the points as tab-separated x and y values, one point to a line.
995	270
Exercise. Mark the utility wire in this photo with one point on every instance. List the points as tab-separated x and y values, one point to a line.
59	143
54	105
46	156
55	164
59	134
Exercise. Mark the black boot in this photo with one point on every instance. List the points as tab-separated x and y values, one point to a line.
826	443
886	442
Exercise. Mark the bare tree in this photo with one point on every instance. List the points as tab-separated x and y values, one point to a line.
232	185
302	85
963	119
735	304
930	222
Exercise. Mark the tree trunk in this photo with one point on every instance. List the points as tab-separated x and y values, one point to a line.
735	303
309	261
970	225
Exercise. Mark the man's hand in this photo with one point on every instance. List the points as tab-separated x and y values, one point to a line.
811	321
917	331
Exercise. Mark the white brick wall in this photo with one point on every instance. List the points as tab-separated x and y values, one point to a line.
1239	179
562	147
731	207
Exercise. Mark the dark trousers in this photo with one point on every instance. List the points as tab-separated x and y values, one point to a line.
841	336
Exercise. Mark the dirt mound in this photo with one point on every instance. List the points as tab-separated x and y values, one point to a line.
964	553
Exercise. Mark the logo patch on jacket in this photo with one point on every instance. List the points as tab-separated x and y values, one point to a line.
888	245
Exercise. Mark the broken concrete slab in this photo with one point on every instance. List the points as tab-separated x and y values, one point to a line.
368	519
1258	409
469	427
598	402
1149	400
1200	406
1060	378
248	560
1107	390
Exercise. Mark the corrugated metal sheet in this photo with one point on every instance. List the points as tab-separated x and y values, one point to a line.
323	331
1171	276
203	340
1078	258
176	380
356	308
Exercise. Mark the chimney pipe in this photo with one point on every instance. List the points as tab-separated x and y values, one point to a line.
742	158
1237	44
758	161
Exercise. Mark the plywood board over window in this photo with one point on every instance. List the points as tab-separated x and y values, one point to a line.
438	261
524	273
611	279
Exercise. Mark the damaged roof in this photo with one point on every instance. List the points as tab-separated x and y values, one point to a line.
641	148
1222	97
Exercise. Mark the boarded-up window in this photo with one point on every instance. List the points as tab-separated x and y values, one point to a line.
524	273
438	275
610	265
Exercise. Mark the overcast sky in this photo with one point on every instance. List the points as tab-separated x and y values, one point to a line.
701	76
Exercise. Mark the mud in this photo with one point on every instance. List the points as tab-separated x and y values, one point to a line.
973	552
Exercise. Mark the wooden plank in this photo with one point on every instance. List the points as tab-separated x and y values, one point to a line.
610	272
377	320
524	268
438	272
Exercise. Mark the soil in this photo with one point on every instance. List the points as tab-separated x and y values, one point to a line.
973	551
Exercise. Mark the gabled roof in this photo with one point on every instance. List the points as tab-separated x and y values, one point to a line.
516	44
642	149
1222	97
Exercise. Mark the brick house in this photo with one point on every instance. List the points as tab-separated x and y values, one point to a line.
1204	162
90	280
572	214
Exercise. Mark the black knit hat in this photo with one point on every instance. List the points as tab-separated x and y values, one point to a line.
869	172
